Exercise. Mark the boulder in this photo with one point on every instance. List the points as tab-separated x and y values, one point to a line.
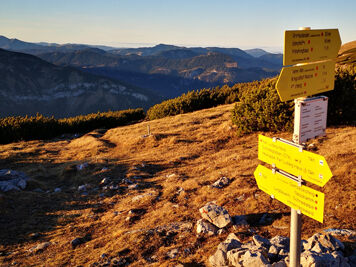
205	227
220	256
314	259
323	243
216	215
253	259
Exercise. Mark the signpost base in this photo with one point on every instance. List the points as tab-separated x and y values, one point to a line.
295	238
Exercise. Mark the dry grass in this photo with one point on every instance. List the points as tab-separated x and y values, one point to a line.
177	163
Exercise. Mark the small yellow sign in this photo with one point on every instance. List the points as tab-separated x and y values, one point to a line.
303	46
306	80
309	201
289	158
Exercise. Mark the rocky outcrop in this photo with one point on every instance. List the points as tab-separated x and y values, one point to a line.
318	250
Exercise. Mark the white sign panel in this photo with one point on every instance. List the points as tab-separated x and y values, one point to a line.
310	118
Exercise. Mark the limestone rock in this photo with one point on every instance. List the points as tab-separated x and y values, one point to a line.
323	243
222	182
261	242
216	215
253	259
220	256
205	227
173	253
40	247
280	241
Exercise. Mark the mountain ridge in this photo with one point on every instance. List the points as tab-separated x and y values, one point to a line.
30	85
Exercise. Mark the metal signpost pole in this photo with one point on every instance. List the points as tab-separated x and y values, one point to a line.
295	224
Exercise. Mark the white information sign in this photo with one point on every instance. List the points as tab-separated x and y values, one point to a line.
310	118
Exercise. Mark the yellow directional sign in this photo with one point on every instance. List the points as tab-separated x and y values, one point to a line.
309	201
306	80
290	158
303	46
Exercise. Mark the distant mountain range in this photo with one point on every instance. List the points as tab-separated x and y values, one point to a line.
179	68
29	85
72	79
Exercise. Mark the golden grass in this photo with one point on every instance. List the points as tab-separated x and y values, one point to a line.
177	164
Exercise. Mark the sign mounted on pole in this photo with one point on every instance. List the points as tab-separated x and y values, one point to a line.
303	46
306	80
309	118
307	200
291	158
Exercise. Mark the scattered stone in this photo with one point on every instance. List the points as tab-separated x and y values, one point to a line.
82	187
126	181
240	198
261	242
139	197
173	253
216	215
105	181
205	227
283	253
76	242
57	190
133	186
35	235
170	175
312	258
12	180
222	182
82	166
80	240
40	247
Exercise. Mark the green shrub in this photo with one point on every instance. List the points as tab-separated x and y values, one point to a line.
194	100
39	127
260	109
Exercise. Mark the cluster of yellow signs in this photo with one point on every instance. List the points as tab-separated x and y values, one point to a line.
318	46
283	185
291	164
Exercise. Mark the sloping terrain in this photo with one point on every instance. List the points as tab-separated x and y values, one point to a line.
29	85
155	185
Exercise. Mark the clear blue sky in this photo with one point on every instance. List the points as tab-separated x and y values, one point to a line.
228	23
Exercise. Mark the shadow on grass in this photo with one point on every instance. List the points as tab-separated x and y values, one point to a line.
32	213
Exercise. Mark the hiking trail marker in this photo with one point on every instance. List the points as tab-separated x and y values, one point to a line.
303	46
282	187
306	46
312	52
293	159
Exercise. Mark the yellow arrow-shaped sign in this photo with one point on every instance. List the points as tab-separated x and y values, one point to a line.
303	46
306	80
309	201
290	158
